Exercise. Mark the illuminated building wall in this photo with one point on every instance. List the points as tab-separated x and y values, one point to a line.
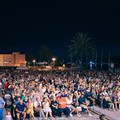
14	59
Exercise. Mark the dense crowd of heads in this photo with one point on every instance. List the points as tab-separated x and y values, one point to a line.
90	88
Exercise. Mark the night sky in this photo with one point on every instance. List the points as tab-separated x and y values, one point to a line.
25	26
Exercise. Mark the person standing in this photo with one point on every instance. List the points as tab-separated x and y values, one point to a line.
2	104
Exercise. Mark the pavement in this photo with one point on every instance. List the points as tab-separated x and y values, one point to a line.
95	111
84	116
110	115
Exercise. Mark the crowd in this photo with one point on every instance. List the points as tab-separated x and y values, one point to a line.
29	94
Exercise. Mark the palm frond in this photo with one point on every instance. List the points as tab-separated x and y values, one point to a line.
81	43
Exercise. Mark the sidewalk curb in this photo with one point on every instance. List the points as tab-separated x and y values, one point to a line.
99	113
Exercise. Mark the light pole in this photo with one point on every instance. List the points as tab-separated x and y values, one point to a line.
91	64
34	61
53	59
109	62
25	63
96	61
101	61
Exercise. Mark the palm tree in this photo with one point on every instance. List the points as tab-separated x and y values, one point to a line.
81	46
45	53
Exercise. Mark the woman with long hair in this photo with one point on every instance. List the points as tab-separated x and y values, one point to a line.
46	107
30	110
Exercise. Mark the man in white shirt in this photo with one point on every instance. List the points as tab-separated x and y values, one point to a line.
71	107
38	108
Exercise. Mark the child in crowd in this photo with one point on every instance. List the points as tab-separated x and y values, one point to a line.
8	116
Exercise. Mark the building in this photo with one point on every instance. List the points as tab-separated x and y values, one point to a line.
14	59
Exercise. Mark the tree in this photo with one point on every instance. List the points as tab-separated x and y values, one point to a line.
30	57
81	46
45	53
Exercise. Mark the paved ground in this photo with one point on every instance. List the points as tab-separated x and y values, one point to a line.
84	116
112	115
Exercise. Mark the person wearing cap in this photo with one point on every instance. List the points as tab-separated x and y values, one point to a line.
62	106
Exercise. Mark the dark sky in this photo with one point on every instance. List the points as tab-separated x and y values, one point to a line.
25	26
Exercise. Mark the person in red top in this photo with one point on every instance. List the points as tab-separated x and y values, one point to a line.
5	85
57	96
62	106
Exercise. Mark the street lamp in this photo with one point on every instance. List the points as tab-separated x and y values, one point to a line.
64	65
34	62
54	59
91	63
25	63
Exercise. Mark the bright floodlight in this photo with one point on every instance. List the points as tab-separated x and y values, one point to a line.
53	59
63	65
91	62
34	61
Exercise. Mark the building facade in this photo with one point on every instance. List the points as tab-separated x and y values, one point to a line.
14	59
